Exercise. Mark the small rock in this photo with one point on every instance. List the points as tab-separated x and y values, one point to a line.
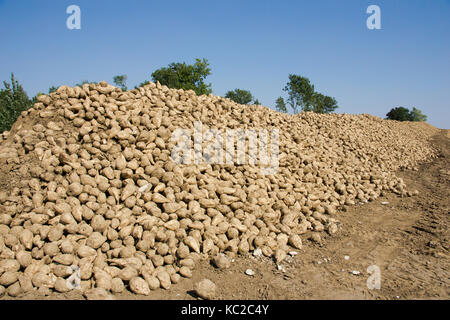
384	203
205	289
347	257
257	253
355	272
249	272
293	253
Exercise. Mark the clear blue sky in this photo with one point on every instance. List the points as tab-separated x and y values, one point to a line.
251	45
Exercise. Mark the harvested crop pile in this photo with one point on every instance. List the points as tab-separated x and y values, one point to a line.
89	185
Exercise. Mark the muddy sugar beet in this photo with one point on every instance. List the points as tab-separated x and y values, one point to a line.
89	185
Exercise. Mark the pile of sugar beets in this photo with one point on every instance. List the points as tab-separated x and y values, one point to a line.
92	188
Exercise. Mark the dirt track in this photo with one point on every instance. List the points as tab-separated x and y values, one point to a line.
408	239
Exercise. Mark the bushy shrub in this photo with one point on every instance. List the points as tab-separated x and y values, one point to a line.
13	100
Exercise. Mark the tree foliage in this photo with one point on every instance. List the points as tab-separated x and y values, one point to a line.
240	96
417	115
399	114
185	76
142	84
300	93
404	114
323	104
120	81
280	105
13	100
303	97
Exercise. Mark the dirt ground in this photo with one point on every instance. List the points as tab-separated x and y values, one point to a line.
407	238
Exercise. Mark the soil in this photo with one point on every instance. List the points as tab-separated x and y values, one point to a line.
407	238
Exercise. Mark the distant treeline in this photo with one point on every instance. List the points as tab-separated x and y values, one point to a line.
300	94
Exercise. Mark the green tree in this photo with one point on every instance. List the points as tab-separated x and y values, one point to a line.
280	105
323	104
399	114
52	89
13	100
300	93
239	96
417	115
256	102
120	81
142	84
184	76
303	97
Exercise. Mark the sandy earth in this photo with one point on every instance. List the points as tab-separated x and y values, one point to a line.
408	239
